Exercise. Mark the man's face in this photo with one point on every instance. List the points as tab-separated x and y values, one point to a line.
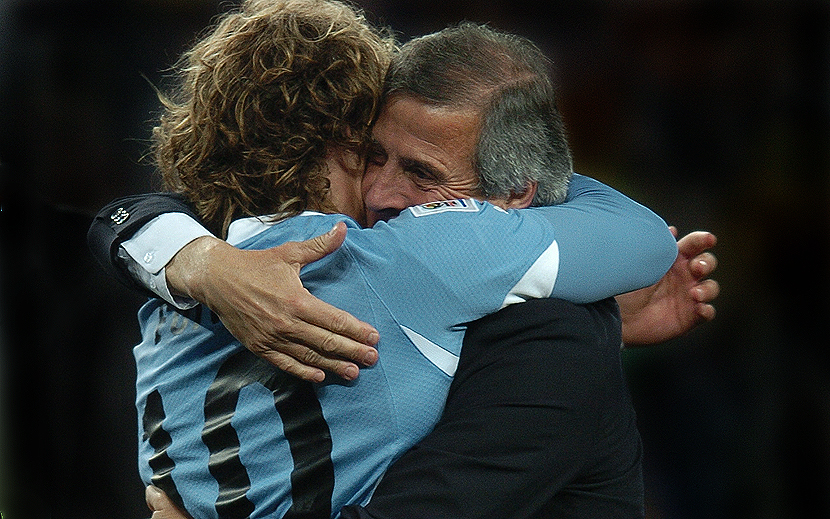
421	154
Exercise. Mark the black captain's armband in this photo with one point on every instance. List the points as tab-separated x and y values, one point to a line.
305	428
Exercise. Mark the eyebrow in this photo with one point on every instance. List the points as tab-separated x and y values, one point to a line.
409	164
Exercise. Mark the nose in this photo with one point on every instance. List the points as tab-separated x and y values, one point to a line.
384	192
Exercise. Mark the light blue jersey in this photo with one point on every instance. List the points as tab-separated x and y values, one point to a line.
228	435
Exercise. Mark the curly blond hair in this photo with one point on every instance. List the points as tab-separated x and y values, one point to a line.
261	99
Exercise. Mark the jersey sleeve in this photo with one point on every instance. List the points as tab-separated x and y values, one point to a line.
439	270
608	244
474	258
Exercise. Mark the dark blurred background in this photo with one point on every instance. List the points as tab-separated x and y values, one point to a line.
714	113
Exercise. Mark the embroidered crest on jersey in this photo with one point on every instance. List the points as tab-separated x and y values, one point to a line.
464	205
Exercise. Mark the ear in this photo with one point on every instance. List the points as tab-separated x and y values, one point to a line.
521	199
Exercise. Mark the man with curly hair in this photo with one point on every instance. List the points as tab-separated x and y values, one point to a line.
272	119
238	141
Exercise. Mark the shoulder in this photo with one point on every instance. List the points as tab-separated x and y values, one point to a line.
448	214
271	230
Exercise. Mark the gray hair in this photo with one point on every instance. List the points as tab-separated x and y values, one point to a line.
505	78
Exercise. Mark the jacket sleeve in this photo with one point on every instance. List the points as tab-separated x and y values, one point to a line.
120	220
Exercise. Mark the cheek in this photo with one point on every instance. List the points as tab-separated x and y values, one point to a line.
369	175
368	182
378	179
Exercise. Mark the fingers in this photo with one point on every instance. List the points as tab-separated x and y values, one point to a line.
291	365
317	352
308	351
696	242
336	338
154	498
161	505
313	338
308	364
280	321
316	248
706	311
703	265
339	322
706	291
695	245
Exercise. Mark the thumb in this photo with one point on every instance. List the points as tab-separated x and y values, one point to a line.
154	498
161	505
313	249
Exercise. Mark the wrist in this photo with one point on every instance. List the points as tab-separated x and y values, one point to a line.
188	269
630	306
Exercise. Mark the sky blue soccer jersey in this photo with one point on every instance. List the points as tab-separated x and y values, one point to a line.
227	435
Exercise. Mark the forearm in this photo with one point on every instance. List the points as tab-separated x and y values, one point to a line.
153	248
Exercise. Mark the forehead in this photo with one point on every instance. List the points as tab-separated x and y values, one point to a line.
412	130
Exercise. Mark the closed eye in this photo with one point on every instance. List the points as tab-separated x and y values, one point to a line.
421	173
376	155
